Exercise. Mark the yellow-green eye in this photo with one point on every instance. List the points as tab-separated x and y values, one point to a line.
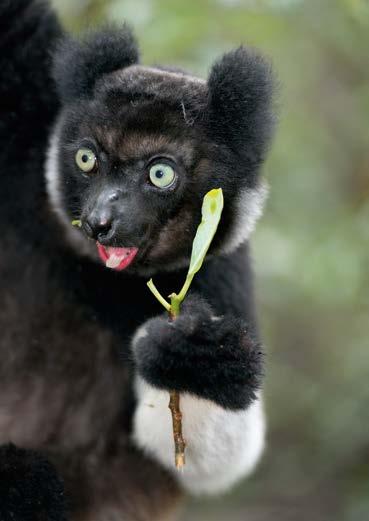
162	175
86	159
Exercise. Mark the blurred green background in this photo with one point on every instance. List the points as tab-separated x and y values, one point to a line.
311	250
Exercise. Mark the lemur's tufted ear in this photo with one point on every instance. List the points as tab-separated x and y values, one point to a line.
78	64
240	103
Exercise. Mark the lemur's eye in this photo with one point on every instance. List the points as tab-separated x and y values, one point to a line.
86	160
162	175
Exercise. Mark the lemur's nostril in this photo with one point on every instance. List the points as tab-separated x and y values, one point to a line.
103	223
97	229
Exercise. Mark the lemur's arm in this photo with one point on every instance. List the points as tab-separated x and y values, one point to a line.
29	29
216	363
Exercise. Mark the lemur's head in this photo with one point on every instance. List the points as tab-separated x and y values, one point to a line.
136	148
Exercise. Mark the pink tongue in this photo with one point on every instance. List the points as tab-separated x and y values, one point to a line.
115	256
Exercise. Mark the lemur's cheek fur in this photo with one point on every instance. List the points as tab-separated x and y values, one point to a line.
213	358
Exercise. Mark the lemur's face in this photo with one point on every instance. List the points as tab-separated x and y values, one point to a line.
132	162
131	187
134	174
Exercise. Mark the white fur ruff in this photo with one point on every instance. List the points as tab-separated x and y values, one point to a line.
222	445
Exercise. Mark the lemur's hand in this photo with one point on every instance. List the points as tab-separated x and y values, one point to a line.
211	357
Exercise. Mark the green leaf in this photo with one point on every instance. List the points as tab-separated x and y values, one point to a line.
77	222
211	211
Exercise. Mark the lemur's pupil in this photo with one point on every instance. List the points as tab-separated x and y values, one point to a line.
85	158
159	174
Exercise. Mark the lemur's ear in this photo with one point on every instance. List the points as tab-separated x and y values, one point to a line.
78	64
240	102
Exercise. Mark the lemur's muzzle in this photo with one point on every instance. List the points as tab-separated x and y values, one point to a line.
104	224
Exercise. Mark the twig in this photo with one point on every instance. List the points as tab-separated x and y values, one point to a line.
179	442
174	402
161	299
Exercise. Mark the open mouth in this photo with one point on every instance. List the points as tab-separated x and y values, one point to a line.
116	258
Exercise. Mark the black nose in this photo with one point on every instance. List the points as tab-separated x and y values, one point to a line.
99	222
96	227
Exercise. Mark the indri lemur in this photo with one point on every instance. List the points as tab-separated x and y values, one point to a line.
87	355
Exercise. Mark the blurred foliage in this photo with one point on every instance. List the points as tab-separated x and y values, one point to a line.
312	247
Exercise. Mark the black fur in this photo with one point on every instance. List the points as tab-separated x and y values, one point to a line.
78	64
30	490
241	88
66	321
214	359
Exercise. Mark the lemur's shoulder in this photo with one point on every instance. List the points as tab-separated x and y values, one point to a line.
28	103
28	107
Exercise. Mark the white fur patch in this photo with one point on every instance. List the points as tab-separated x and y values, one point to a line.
52	176
222	445
140	333
52	173
249	208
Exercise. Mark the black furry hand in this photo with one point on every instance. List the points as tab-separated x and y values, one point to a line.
30	489
214	358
